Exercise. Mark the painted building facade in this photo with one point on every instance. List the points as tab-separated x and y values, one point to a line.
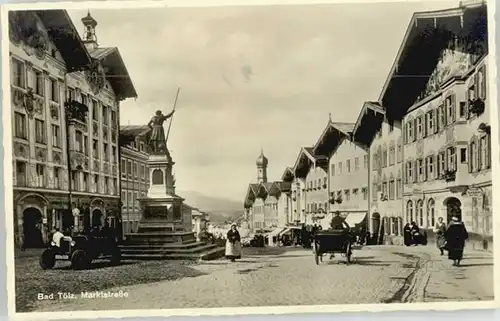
134	175
445	120
65	114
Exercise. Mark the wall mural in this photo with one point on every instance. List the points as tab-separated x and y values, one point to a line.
25	30
458	57
95	76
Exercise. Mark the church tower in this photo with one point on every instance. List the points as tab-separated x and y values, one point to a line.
261	168
89	37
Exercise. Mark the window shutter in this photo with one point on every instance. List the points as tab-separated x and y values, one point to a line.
477	152
476	85
424	125
454	107
484	93
471	157
414	129
415	174
435	122
488	151
479	149
405	133
435	162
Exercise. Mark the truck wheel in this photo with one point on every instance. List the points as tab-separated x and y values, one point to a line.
80	260
47	260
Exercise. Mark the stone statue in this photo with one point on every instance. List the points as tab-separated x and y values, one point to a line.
157	140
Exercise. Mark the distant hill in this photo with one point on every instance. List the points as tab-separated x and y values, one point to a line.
220	209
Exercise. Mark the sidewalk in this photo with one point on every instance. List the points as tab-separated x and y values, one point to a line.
471	281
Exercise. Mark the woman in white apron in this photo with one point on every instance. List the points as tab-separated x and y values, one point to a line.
233	244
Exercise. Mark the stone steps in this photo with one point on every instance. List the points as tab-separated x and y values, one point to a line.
166	250
212	254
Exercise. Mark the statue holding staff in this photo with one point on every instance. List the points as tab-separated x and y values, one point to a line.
157	140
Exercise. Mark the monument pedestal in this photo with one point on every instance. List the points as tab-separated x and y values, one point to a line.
165	231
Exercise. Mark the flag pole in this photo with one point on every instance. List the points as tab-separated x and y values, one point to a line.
172	118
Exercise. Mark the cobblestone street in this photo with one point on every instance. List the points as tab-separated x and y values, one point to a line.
378	275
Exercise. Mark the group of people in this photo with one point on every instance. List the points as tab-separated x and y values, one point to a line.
412	235
451	238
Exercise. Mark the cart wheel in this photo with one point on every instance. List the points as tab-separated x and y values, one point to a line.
348	253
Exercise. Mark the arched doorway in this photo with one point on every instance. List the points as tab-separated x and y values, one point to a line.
453	208
32	228
97	218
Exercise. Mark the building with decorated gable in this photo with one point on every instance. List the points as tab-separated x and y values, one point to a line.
313	170
348	169
134	174
65	113
385	144
267	203
444	109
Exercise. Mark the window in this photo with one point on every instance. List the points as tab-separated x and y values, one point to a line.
78	141
57	177
392	189
364	190
105	151
481	83
483	153
399	187
430	122
71	94
420	170
40	175
473	156
409	172
85	186
463	112
400	151
419	213
123	168
441	117
104	115
410	131
106	185
95	148
141	147
348	165
374	191
420	128
96	183
86	145
429	160
463	155
365	160
115	186
392	154
431	216
18	73
409	212
136	202
130	200
129	168
54	90
332	169
450	108
113	119
124	199
95	110
21	174
325	182
136	170
441	163
340	168
356	164
384	157
113	154
20	125
56	136
75	181
40	136
38	82
452	159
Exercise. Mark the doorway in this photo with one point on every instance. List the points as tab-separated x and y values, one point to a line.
32	228
453	208
96	218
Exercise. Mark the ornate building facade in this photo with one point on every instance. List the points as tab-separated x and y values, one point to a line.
134	173
65	112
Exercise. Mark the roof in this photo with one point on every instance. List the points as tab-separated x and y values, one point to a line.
368	123
287	175
65	37
116	71
428	32
331	136
251	194
304	161
130	132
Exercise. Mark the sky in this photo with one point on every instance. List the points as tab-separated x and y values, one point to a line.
251	78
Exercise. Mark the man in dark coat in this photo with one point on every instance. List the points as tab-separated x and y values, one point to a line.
407	234
338	222
455	235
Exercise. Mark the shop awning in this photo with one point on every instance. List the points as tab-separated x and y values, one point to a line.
276	231
290	228
355	218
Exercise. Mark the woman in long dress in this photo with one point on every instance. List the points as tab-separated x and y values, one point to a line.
455	235
407	234
233	244
440	229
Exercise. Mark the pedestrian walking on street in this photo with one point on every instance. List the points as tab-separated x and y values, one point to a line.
440	229
233	244
455	236
414	234
407	234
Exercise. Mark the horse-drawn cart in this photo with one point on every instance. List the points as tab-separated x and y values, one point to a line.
333	241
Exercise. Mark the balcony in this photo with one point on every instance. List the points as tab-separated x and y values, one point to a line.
78	160
76	111
449	176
